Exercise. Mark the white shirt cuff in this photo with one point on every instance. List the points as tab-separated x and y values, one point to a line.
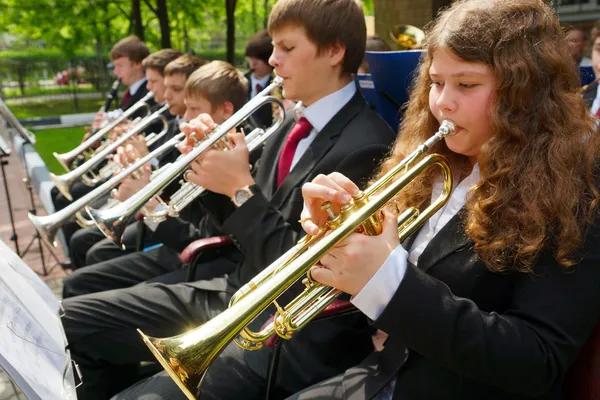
377	293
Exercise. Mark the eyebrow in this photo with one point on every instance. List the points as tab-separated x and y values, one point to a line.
460	74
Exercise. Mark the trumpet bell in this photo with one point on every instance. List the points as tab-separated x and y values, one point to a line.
407	37
46	229
63	184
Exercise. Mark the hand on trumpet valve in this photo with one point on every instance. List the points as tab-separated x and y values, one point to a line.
134	182
139	144
216	170
352	263
99	120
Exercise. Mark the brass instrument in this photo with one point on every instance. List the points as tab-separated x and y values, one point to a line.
187	356
66	159
189	191
14	122
48	225
65	181
112	222
407	37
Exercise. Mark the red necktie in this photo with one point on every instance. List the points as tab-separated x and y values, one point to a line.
299	131
126	98
258	88
598	113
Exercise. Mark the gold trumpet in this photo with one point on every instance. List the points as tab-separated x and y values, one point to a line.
187	356
66	159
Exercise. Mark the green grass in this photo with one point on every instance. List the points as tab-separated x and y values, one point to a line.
58	140
54	108
10	92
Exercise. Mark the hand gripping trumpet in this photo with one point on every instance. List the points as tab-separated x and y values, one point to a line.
65	181
187	356
47	226
66	159
114	220
190	191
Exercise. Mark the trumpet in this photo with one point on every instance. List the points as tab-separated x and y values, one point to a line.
65	181
48	225
66	159
113	221
187	356
189	191
14	122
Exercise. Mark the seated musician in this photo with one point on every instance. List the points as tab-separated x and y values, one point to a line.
592	94
154	66
89	246
216	88
317	48
495	295
127	55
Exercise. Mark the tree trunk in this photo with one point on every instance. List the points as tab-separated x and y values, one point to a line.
230	8
267	12
136	19
254	21
163	20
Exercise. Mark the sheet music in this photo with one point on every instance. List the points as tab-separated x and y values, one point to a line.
32	341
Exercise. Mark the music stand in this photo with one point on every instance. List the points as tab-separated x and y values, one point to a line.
5	151
29	138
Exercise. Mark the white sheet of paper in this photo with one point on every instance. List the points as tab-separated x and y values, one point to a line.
32	341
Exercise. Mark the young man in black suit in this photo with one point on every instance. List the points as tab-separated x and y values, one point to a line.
260	75
591	94
336	130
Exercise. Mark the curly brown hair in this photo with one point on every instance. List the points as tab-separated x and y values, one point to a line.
538	169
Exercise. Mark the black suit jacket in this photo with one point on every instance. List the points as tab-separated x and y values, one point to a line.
590	94
263	117
459	331
266	226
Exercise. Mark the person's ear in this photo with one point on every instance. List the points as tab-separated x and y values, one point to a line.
337	52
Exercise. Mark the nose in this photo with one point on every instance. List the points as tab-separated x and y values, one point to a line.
274	60
446	100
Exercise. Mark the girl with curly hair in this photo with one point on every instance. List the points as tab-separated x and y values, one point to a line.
496	294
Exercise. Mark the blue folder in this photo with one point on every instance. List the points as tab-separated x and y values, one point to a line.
392	73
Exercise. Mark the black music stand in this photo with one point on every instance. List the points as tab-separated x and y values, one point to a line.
5	151
28	138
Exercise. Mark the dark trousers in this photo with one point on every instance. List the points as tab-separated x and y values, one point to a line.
78	190
122	272
228	378
101	328
89	246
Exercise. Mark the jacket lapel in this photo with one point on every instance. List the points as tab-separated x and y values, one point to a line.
317	149
448	240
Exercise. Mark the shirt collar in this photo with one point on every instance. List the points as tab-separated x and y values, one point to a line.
322	111
598	92
262	82
135	86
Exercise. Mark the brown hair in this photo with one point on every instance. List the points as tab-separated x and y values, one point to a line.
327	22
159	60
185	64
260	46
537	169
131	47
218	82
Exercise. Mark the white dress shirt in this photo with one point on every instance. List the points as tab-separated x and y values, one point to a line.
263	82
586	62
377	293
319	114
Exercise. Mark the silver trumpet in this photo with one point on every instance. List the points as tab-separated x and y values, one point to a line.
64	182
7	114
66	159
47	226
114	220
190	191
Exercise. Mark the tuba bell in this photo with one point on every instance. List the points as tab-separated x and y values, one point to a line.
187	356
407	37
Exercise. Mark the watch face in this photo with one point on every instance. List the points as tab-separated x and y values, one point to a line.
241	196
